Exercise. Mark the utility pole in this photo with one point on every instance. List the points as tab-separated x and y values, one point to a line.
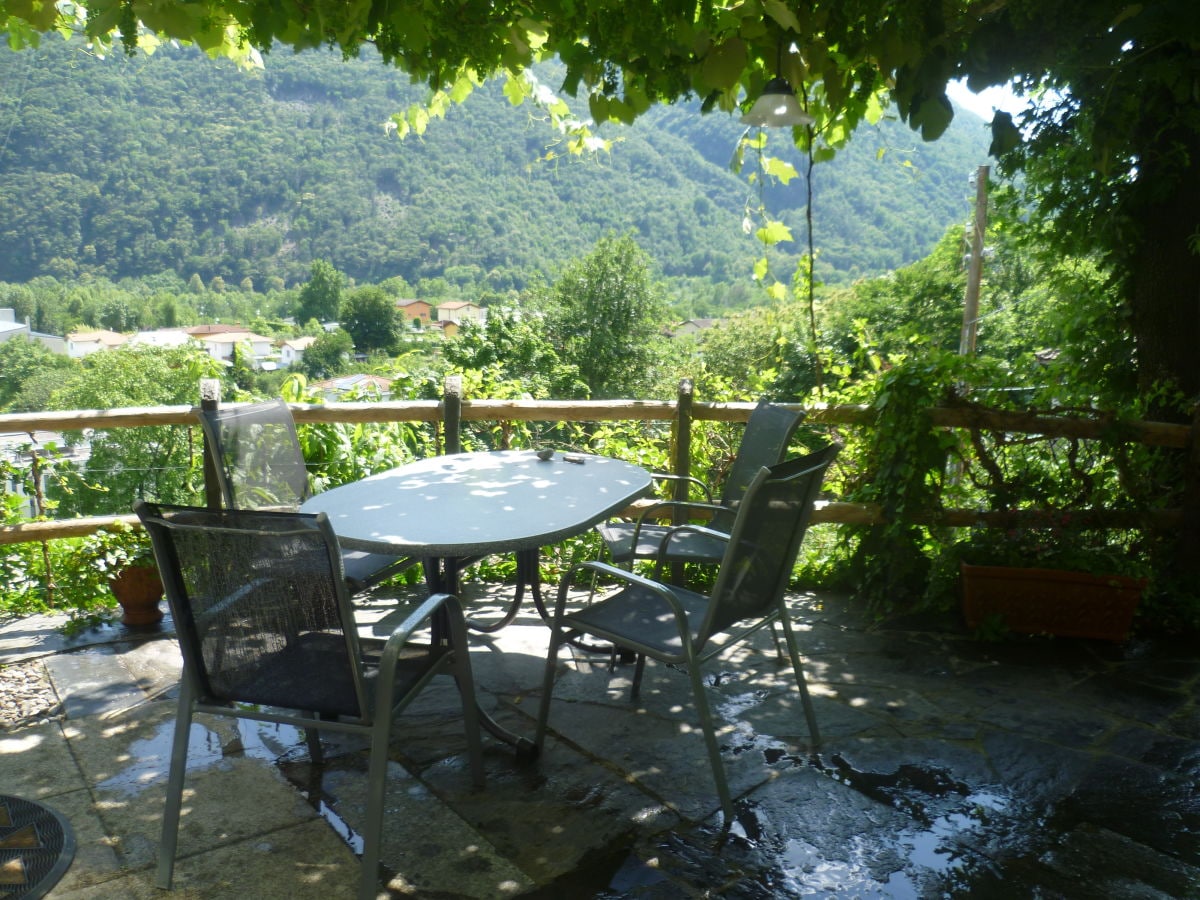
966	344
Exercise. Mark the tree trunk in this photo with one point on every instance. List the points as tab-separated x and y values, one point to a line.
1165	294
1165	271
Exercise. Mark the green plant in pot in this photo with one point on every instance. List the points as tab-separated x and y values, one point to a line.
123	559
1049	578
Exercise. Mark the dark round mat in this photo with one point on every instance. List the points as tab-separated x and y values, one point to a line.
36	848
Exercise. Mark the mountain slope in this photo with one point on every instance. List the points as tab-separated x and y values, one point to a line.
131	166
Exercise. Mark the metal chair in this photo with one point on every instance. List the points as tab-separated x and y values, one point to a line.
674	625
768	432
260	465
264	619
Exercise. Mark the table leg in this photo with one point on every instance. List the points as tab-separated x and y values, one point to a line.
441	576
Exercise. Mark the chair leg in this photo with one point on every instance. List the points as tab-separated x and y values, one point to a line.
460	668
793	649
539	736
710	742
174	803
368	884
466	691
639	669
312	737
779	648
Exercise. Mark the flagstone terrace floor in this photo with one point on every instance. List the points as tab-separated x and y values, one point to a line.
949	768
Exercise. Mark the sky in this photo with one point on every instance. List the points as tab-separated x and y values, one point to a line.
984	104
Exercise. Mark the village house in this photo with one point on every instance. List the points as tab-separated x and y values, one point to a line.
162	337
351	387
221	346
9	326
292	351
81	343
411	310
460	312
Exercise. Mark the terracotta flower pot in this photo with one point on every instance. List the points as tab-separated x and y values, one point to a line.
1051	601
138	589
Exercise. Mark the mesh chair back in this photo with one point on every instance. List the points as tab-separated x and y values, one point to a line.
766	536
259	461
765	441
260	607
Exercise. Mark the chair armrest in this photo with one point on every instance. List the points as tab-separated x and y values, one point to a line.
664	591
668	477
659	510
676	532
401	633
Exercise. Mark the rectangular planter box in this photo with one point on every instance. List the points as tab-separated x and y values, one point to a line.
1051	601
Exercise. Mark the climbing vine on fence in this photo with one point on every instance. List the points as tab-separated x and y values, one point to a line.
901	467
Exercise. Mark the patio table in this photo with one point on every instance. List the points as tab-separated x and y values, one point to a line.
451	510
471	505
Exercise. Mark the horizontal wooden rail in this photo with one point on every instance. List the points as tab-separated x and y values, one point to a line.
1077	426
54	529
1160	434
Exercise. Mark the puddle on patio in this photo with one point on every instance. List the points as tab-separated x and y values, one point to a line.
151	757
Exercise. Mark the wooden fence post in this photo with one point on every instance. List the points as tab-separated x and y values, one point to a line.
682	463
452	413
210	400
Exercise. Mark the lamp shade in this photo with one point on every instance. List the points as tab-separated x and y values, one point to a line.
776	107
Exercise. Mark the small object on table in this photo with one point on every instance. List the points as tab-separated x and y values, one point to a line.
576	458
545	455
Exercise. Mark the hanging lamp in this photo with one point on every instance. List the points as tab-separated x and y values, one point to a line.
777	107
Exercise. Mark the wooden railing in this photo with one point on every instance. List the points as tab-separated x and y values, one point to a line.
683	412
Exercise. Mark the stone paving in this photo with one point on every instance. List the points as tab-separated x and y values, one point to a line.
949	767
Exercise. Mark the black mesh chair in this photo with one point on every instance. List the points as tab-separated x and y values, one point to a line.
677	626
260	465
266	631
764	443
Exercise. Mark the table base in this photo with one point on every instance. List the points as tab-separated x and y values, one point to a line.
442	577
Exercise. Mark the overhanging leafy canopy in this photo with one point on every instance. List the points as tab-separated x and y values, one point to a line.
623	57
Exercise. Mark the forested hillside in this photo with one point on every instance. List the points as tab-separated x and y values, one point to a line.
133	166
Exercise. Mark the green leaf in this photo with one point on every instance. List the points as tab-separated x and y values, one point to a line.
598	107
779	11
779	168
535	33
1005	135
722	67
933	117
462	88
516	90
773	232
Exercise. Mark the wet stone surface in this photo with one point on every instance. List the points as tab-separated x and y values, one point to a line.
948	768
